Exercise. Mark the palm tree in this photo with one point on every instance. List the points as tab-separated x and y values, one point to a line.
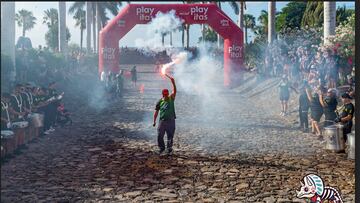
271	21
88	26
51	20
187	28
171	42
241	14
249	22
26	20
80	22
313	15
329	19
62	24
99	9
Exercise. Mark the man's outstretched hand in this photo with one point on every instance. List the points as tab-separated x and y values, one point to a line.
154	124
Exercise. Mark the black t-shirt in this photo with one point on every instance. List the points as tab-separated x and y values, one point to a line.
347	109
3	109
315	104
26	97
331	104
17	103
303	102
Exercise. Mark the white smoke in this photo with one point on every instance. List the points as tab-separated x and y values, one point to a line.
162	23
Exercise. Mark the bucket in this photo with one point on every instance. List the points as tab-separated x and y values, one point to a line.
334	138
37	120
7	142
20	129
351	145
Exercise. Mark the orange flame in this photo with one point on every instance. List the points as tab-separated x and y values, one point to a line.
141	88
166	66
177	60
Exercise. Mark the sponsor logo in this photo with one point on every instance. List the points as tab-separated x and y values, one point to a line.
199	13
121	23
224	22
144	13
235	51
108	53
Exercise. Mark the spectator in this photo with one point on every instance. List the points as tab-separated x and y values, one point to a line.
285	94
134	75
346	113
6	109
329	104
304	108
316	110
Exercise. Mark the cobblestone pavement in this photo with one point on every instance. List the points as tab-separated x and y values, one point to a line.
238	150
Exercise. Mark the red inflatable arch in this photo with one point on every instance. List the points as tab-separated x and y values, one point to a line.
209	14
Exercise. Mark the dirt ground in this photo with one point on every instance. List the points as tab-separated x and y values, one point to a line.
238	150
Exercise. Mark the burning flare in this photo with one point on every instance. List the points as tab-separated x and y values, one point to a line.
176	60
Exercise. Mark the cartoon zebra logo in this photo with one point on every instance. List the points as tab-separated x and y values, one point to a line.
313	188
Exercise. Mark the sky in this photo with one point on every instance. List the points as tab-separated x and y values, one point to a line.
37	34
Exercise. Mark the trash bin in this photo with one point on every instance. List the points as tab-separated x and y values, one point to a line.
351	145
334	138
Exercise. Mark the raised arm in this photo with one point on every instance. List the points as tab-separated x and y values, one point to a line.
323	104
173	94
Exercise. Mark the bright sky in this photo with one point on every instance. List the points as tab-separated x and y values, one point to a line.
37	34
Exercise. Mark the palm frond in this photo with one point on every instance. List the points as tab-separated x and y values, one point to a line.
76	6
234	6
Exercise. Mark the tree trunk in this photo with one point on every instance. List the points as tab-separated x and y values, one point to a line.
187	35
329	19
245	34
203	33
171	38
163	39
98	22
241	16
88	26
8	35
271	21
94	27
81	38
62	26
183	36
23	30
218	35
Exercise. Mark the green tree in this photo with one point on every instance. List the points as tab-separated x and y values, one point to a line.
52	35
291	15
209	35
25	19
81	23
249	23
99	8
342	14
313	15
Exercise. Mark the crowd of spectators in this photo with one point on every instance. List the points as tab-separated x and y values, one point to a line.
26	99
324	87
